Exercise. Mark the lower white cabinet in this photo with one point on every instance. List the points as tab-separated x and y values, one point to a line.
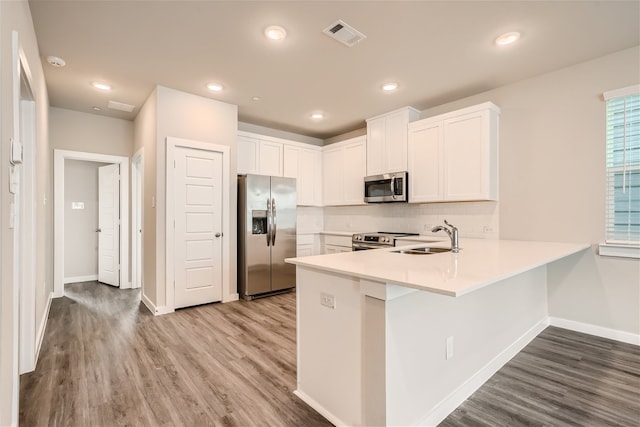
454	156
344	168
333	244
306	245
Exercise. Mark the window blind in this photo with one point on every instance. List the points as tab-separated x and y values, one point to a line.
623	166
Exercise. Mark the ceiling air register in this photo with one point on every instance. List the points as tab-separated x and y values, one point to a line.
344	33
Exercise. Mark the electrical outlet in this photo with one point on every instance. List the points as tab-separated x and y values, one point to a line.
427	227
487	229
449	350
327	300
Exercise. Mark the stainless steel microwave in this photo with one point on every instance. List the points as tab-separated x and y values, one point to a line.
389	187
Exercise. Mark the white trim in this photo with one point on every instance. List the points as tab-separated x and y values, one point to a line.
459	395
172	143
625	91
137	174
77	279
230	297
59	157
42	328
598	331
319	408
618	250
148	303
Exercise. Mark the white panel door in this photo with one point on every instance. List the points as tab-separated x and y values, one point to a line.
198	227
109	224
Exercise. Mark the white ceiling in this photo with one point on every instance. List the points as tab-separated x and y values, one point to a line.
437	52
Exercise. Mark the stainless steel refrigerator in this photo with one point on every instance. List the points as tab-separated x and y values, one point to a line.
266	234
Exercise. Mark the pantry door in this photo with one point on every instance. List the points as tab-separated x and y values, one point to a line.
197	250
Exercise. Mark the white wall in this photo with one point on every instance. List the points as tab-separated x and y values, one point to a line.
80	237
15	15
169	112
90	133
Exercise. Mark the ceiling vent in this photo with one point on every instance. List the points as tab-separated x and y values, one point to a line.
120	106
344	33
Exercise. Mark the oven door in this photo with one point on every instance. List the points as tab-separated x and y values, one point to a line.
365	246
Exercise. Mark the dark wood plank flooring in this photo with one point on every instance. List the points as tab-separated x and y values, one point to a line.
562	378
106	361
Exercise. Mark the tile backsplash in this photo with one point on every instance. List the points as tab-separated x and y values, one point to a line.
473	219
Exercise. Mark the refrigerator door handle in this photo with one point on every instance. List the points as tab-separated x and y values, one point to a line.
274	218
268	222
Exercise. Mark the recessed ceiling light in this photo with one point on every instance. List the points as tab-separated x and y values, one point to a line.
256	98
317	116
507	38
101	86
96	108
275	32
56	61
391	86
215	87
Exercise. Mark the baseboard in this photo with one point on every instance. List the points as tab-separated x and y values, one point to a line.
320	409
42	329
598	331
156	311
458	396
77	279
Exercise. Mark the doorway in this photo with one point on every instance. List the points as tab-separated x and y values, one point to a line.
122	268
137	207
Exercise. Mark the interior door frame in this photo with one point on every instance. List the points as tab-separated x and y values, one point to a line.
59	157
137	215
172	143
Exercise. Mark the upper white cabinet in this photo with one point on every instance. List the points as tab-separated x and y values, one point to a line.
305	164
454	156
344	168
259	156
387	141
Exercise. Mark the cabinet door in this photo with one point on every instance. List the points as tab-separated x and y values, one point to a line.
332	172
466	153
396	142
248	151
270	158
354	172
426	162
376	135
308	174
304	250
290	163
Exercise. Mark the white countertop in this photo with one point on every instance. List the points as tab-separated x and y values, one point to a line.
479	263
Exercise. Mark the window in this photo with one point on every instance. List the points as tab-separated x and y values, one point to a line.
622	228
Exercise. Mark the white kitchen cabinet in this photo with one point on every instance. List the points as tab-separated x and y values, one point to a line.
305	164
454	156
387	141
259	156
333	244
344	168
306	245
426	161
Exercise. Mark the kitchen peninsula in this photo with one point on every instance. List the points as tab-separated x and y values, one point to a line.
392	338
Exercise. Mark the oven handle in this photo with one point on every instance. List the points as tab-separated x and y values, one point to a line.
364	246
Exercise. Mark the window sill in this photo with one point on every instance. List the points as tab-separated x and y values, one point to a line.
620	251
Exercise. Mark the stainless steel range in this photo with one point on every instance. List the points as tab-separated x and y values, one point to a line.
381	239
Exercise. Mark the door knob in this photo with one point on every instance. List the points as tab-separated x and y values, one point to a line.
98	230
218	234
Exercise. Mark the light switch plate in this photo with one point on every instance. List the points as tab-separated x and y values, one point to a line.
327	300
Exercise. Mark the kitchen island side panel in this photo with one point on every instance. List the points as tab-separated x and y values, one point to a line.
330	345
482	327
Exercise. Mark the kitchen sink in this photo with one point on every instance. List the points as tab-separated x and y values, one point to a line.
422	251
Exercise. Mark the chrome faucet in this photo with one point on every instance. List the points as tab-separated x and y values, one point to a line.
452	233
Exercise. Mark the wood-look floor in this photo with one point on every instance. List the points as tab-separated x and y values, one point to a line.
106	361
562	378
